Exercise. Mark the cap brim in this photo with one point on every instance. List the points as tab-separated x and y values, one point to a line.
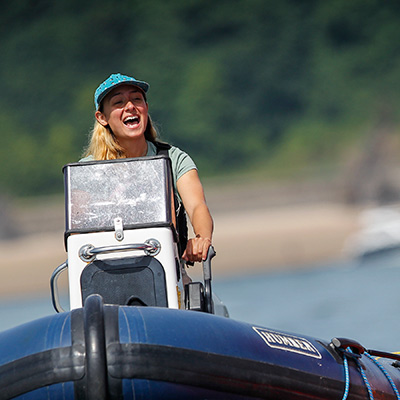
141	85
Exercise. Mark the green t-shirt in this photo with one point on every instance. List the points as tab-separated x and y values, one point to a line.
181	162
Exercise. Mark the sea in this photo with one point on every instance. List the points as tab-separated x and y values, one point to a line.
353	299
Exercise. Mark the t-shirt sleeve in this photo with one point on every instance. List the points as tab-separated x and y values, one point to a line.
181	162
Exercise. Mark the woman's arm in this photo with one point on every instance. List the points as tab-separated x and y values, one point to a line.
192	194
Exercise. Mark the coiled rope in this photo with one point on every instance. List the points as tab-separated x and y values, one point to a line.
348	353
352	349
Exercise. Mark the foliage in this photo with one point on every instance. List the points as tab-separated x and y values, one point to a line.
236	83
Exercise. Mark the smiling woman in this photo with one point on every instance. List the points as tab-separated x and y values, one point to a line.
123	129
124	111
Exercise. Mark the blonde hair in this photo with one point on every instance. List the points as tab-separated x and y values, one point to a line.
103	145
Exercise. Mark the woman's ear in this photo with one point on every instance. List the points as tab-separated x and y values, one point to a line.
101	118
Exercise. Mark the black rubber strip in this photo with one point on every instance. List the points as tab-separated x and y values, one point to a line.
221	373
46	368
112	336
78	339
96	362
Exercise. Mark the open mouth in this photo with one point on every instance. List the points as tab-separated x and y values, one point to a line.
131	121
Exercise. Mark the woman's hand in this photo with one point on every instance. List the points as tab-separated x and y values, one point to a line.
197	249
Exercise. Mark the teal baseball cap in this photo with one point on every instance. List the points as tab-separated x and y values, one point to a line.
113	81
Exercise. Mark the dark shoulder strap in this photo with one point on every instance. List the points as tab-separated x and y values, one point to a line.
162	148
181	221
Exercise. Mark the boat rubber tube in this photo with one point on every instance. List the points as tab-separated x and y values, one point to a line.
83	363
112	352
28	364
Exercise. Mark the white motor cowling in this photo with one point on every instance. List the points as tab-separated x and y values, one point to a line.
122	241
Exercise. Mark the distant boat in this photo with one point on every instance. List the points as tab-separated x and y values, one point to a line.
379	234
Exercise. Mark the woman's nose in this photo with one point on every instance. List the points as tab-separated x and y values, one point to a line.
129	105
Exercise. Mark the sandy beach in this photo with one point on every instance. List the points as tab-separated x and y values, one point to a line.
253	232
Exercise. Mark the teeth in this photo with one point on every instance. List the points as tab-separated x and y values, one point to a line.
131	120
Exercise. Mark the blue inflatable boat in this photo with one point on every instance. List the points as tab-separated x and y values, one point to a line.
130	352
134	330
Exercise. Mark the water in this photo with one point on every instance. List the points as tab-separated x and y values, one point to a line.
342	300
347	300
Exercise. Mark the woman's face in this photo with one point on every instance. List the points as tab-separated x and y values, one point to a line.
126	112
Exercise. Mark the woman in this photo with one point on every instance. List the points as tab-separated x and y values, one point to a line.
123	129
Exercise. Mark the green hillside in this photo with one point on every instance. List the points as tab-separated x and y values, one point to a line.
276	88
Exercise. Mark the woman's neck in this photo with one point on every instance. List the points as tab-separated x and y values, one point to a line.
136	148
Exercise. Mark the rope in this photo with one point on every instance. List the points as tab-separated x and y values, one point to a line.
364	376
347	377
388	377
349	353
351	348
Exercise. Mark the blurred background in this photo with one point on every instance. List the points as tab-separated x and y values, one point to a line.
290	109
